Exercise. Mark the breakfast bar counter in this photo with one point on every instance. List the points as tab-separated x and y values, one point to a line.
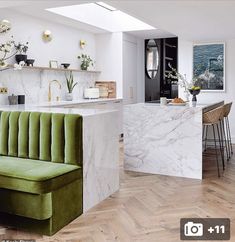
164	140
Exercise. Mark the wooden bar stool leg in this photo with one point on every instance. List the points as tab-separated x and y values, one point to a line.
217	160
206	137
229	134
224	138
227	138
221	145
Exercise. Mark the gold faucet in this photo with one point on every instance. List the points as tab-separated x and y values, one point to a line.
49	92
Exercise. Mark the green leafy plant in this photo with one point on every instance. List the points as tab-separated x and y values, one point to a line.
70	82
21	48
86	61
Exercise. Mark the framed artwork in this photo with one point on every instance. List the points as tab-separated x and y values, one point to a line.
53	64
209	66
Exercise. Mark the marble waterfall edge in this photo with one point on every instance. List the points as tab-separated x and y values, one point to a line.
101	158
163	140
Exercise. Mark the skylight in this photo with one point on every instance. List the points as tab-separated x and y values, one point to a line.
106	6
103	16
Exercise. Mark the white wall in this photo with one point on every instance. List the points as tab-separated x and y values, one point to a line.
133	69
109	58
129	69
185	66
64	48
140	70
185	60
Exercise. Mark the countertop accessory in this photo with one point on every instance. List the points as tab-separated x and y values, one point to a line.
194	92
65	65
178	104
21	99
49	91
163	101
13	99
107	88
29	62
70	85
91	93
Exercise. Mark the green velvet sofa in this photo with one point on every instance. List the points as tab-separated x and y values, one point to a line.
40	170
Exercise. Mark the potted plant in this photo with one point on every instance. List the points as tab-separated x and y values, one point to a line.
21	49
86	61
70	86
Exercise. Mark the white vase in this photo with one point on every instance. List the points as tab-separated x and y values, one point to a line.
186	96
69	96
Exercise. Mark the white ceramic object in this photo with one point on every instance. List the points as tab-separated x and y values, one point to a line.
186	96
92	93
69	96
163	101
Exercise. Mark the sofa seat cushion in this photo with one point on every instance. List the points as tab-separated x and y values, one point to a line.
35	176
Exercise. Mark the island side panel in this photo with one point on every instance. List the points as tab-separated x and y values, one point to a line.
163	140
100	158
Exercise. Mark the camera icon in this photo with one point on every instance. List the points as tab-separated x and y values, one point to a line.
193	229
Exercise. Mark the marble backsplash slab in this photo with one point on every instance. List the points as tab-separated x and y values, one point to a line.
34	84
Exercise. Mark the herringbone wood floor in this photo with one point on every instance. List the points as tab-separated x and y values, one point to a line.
149	208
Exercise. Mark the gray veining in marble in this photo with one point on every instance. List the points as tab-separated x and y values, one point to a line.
163	140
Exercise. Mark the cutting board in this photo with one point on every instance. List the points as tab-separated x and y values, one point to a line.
107	88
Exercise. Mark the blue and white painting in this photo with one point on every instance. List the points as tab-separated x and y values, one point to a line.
208	66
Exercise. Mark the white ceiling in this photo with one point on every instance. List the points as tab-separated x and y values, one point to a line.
196	20
37	8
193	20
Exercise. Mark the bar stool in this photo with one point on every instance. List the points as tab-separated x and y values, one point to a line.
227	109
212	119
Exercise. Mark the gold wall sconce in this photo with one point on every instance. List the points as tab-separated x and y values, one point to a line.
82	44
47	35
5	25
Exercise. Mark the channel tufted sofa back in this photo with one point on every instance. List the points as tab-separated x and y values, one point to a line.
41	136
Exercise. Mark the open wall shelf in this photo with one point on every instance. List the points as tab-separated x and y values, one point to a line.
40	68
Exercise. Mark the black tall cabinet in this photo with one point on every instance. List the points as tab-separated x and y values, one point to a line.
159	54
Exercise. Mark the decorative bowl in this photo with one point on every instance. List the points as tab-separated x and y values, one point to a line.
29	62
65	65
194	92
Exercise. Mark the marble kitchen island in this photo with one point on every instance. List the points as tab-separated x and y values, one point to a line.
100	150
164	140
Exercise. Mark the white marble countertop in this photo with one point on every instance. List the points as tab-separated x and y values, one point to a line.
81	111
60	107
77	101
188	105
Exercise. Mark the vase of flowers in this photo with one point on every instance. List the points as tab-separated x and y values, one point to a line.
86	61
21	49
70	85
191	87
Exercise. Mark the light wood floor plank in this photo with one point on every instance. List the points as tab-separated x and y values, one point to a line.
148	208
